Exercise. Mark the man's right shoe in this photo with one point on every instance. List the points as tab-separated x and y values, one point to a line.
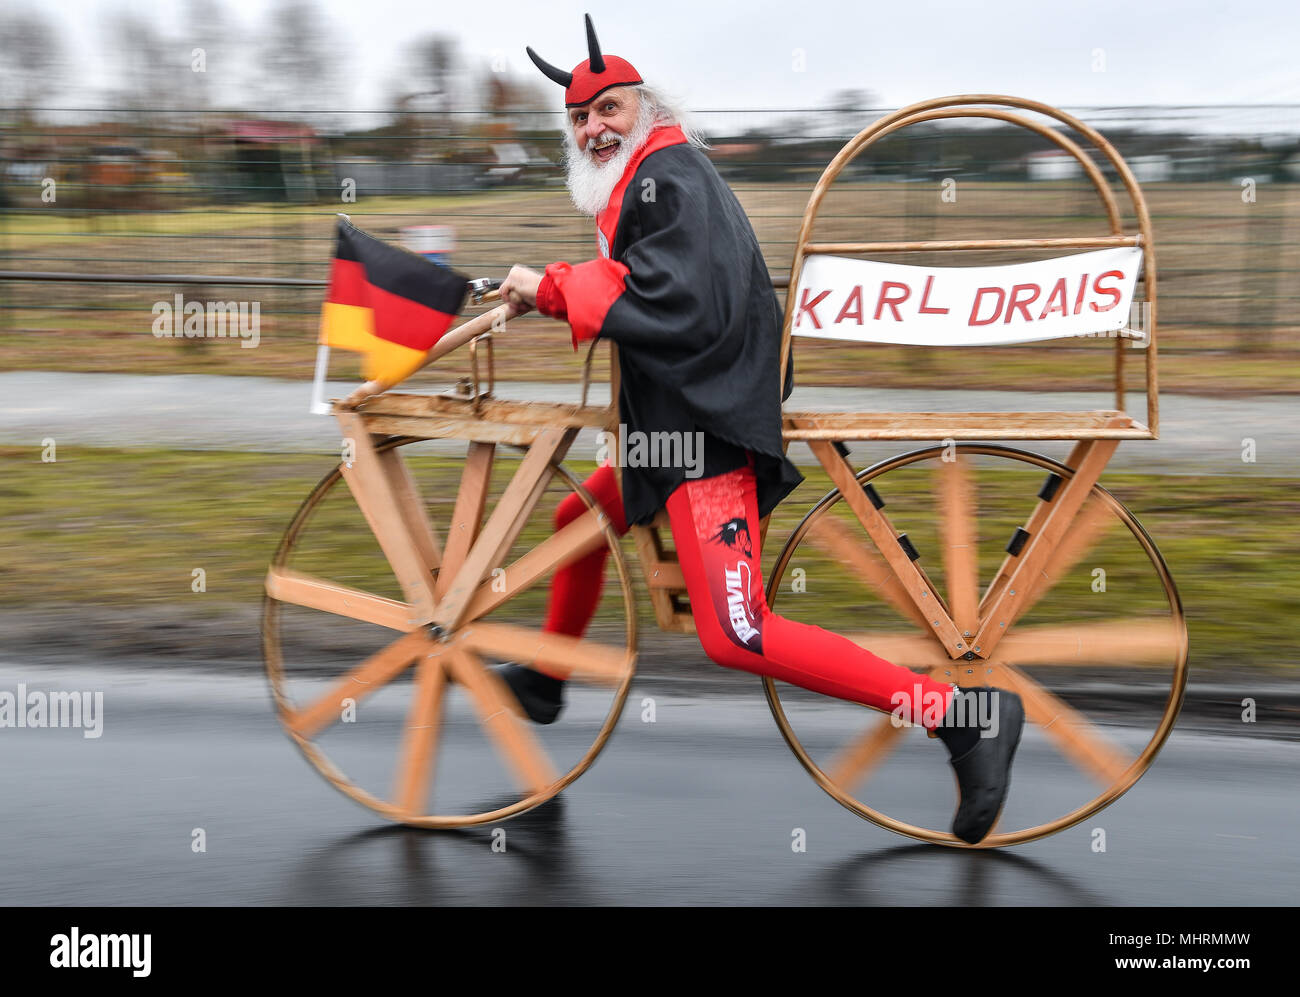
541	696
982	751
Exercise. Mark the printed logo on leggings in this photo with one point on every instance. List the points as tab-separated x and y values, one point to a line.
734	533
738	611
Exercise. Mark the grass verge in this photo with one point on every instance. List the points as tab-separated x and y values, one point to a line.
126	529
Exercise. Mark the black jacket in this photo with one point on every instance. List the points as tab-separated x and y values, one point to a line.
698	328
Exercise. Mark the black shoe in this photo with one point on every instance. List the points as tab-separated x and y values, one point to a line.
982	760
541	696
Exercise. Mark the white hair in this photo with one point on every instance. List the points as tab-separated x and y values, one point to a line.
669	111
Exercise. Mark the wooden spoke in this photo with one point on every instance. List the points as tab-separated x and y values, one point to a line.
412	509
580	537
855	762
556	654
1074	736
468	513
499	712
907	650
957	519
379	503
369	676
1093	520
505	523
1117	643
1027	576
421	738
300	589
1032	526
914	582
834	537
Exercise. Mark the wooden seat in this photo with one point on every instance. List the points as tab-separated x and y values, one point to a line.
1101	424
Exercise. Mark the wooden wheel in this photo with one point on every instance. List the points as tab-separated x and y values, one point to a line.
383	614
1085	597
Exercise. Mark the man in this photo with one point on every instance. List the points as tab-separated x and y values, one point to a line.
681	286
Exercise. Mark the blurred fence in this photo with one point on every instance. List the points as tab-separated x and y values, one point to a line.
216	193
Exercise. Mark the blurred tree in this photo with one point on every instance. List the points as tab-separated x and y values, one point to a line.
147	64
300	61
398	135
213	78
30	54
512	105
848	112
433	63
421	97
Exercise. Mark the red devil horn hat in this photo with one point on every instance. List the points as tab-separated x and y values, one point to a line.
592	77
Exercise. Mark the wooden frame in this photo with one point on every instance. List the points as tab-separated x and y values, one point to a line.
443	569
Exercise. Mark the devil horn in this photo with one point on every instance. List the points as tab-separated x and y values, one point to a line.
557	75
593	48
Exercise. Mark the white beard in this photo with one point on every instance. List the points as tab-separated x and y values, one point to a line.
591	182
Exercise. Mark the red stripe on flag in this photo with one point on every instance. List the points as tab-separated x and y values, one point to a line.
406	322
347	283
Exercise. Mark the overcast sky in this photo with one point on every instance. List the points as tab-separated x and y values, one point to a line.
747	55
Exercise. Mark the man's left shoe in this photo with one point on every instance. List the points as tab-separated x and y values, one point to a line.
541	696
983	767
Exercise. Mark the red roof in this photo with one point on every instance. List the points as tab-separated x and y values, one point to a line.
268	131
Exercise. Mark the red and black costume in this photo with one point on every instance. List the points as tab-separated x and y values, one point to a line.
684	292
681	286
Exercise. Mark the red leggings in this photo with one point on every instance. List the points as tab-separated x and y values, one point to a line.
711	520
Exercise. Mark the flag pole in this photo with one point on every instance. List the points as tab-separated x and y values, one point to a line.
319	406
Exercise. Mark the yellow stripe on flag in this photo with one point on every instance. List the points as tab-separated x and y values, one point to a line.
349	327
352	327
391	362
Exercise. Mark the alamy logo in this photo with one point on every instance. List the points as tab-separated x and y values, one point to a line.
38	708
657	449
101	951
210	320
964	708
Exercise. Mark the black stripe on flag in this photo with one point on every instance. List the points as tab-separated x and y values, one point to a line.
403	273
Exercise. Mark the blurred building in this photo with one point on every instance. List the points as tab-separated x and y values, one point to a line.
270	160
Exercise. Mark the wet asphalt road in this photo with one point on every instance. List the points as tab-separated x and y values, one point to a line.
698	807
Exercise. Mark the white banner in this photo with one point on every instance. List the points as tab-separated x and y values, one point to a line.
867	301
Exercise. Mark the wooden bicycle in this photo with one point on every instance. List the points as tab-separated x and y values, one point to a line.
368	555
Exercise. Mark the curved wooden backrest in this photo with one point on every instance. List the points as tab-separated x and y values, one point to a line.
994	107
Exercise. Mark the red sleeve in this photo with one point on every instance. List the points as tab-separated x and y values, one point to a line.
550	303
582	295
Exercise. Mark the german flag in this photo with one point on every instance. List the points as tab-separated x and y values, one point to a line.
387	304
